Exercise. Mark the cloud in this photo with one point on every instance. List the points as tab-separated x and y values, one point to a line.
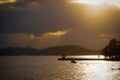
19	4
33	40
7	1
34	4
57	33
44	23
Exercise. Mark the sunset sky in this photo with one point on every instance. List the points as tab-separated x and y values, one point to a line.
46	23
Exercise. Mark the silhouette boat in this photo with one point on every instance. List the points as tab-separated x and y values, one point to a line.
73	61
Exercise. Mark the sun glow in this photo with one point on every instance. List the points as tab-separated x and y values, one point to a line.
112	2
88	1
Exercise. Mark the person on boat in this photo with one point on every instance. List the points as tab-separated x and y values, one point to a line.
63	56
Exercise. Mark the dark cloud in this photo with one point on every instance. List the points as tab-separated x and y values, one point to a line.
21	4
32	20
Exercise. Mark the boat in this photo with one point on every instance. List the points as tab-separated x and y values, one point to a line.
73	61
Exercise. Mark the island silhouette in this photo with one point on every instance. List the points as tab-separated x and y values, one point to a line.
56	50
111	51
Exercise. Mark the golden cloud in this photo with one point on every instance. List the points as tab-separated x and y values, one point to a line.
33	4
7	1
34	36
57	33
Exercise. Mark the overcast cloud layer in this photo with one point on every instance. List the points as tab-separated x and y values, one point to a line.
45	23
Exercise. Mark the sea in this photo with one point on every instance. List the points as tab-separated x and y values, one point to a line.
49	68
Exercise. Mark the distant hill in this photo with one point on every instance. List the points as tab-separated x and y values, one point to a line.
68	50
57	50
18	51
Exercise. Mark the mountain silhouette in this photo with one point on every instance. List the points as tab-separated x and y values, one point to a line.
56	50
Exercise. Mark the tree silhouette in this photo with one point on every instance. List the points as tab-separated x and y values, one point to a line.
112	50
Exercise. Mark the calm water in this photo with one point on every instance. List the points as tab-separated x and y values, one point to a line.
49	68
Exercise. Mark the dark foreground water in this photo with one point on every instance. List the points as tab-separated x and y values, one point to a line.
49	68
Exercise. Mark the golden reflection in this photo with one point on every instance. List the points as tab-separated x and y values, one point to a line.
97	71
94	70
94	56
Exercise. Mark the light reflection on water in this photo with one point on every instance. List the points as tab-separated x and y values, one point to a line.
48	68
96	71
88	56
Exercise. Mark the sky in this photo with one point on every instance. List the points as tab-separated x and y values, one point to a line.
45	23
